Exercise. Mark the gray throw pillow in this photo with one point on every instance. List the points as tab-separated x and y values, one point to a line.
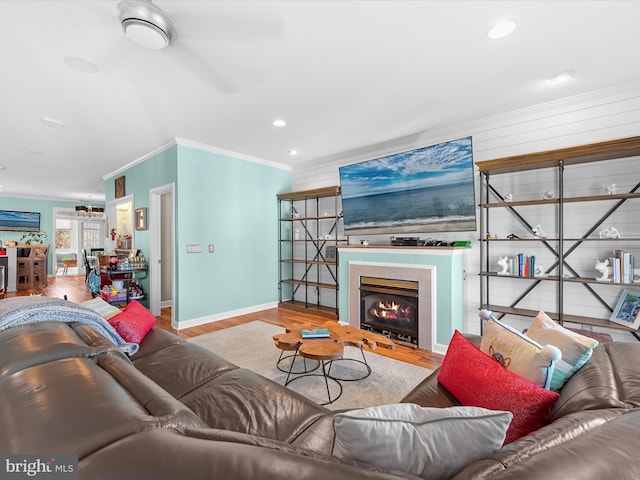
434	443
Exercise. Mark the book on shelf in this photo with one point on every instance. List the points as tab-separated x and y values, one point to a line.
622	264
522	265
315	333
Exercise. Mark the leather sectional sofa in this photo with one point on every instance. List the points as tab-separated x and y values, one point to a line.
175	410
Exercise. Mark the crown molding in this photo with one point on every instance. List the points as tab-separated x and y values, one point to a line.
184	142
49	199
137	161
229	153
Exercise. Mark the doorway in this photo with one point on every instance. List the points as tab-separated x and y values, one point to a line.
161	254
91	240
73	234
121	229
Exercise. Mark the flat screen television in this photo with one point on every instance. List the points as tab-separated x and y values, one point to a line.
19	221
429	189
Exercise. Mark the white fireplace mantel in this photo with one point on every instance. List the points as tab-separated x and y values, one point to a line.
439	271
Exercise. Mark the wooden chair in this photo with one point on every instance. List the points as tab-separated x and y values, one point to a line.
62	266
87	265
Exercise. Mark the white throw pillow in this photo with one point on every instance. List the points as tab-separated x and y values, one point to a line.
102	308
434	443
576	349
518	353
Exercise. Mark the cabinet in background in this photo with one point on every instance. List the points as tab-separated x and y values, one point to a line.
31	266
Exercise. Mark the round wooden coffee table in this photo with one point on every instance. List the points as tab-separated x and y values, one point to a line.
322	350
326	351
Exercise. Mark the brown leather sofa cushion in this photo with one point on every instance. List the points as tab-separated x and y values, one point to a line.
429	393
27	345
610	379
259	406
182	367
166	455
76	405
591	445
61	395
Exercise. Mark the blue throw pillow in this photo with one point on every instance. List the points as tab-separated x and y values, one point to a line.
576	349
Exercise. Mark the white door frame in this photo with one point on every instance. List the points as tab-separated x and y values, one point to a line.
70	214
155	260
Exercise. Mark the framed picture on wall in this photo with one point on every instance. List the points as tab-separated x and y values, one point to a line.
119	187
141	218
627	311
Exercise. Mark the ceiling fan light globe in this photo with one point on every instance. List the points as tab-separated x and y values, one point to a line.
146	24
145	34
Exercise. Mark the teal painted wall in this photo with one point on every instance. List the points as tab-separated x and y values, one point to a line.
220	200
232	204
156	171
449	285
45	207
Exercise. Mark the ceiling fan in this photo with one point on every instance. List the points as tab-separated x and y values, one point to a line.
231	46
146	24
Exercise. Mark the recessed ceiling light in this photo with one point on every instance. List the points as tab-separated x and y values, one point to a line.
563	76
2	167
501	29
35	152
293	151
278	123
80	64
53	122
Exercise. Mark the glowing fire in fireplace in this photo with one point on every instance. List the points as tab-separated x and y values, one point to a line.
391	311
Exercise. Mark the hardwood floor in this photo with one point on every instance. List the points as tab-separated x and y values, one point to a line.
76	290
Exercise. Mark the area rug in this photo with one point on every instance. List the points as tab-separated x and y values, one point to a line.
251	346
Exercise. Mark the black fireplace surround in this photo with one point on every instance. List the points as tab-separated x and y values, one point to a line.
390	308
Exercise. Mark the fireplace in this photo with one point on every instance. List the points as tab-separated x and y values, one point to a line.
422	275
390	307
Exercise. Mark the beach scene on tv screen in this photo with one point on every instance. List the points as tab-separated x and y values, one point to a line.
19	221
429	189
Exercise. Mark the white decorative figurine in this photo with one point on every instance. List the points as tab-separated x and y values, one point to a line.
508	197
604	269
549	195
539	271
611	232
612	189
538	232
504	264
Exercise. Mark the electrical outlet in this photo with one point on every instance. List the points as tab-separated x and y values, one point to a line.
211	248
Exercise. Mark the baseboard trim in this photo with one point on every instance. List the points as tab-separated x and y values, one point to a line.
194	322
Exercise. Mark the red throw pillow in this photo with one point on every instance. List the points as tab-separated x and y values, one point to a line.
134	322
477	380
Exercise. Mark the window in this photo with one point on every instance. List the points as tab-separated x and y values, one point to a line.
63	234
92	235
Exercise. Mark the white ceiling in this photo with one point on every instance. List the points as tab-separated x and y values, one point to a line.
343	74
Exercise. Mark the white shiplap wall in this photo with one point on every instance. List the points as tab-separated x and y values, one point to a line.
597	116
